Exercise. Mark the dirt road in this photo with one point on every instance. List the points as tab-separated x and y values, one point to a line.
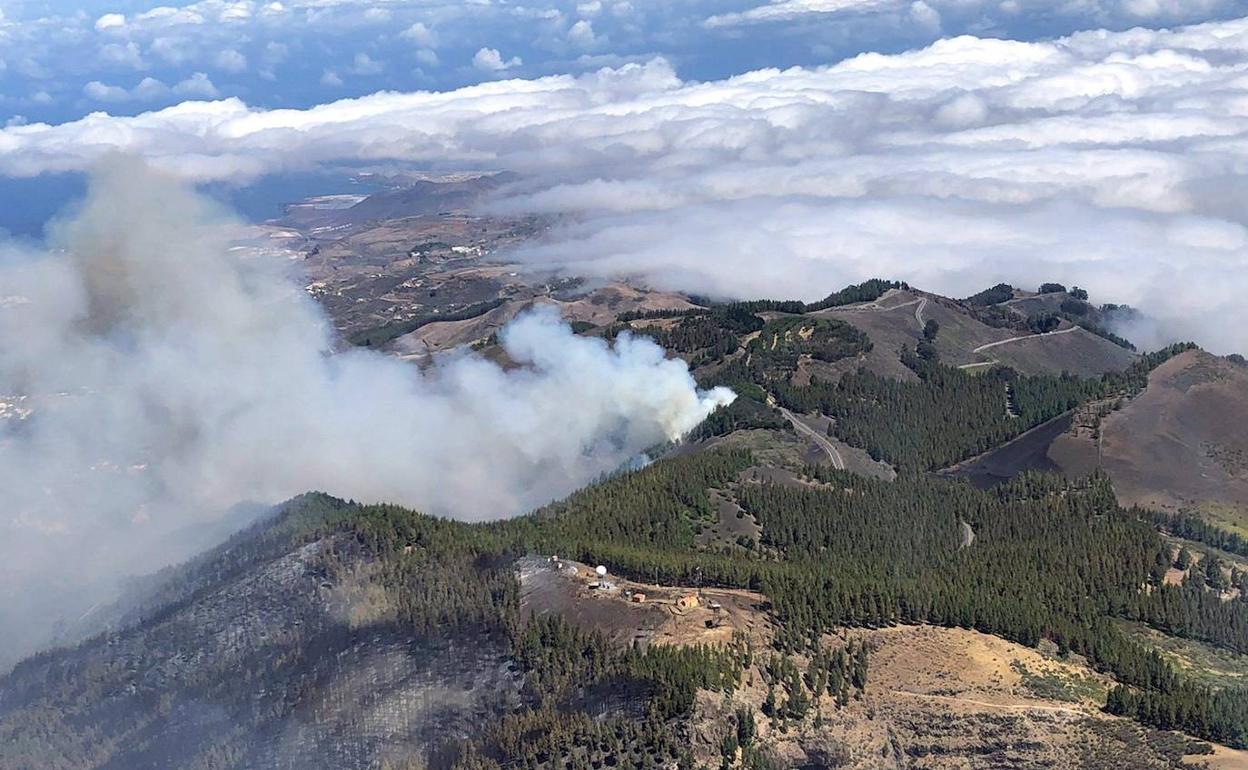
982	348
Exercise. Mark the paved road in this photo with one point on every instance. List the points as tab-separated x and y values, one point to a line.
822	441
1024	337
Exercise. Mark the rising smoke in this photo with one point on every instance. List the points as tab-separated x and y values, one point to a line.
169	377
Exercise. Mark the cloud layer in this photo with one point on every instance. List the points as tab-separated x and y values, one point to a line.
164	378
1110	160
295	53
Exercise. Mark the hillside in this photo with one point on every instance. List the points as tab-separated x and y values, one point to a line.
800	583
1180	445
266	652
374	634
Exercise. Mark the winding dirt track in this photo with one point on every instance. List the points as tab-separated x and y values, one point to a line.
1024	337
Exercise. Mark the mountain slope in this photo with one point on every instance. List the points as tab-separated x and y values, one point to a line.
745	587
1179	445
272	651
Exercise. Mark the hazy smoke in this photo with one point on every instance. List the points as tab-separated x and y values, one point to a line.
169	377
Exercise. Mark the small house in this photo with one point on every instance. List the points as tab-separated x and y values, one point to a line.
637	598
687	602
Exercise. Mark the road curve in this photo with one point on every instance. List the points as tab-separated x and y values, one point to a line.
1024	337
822	441
918	311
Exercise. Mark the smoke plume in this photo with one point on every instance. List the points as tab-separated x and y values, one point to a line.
153	377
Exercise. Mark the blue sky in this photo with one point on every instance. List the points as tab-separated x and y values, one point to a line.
62	60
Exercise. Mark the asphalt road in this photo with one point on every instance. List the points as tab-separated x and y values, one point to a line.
837	461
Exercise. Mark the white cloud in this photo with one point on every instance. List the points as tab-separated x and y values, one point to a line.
234	12
165	16
784	10
122	55
275	52
490	60
197	86
331	79
31	68
581	34
230	60
420	34
982	14
925	16
150	89
173	49
962	111
102	92
363	64
1111	160
705	36
110	21
427	57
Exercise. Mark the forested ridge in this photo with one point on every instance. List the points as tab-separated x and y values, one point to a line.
1051	559
949	415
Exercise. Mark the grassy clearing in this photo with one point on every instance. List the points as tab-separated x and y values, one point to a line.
1225	516
1060	684
1208	664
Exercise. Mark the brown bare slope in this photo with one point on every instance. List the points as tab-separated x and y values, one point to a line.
1078	351
896	320
1183	443
956	699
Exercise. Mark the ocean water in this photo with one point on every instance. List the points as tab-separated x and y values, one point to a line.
27	205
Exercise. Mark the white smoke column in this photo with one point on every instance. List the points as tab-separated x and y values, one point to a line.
171	377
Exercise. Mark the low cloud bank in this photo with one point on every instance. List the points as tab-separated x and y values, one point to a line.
168	377
1108	160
